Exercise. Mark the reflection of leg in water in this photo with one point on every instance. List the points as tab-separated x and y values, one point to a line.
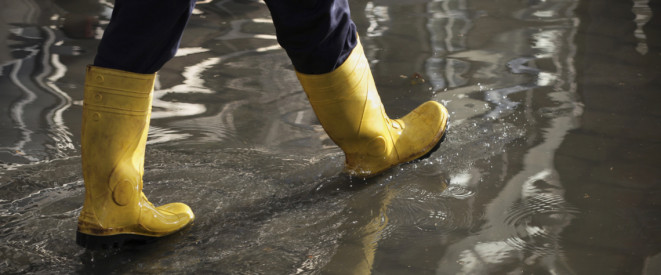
141	37
320	39
653	32
618	84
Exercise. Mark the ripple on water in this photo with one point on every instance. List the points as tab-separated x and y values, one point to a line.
536	222
458	192
423	214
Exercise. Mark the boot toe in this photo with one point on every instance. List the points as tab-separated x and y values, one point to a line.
418	133
183	211
165	219
424	128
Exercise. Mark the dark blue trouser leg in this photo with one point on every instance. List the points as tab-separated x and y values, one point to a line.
318	35
143	34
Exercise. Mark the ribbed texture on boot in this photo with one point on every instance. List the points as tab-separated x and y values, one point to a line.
116	111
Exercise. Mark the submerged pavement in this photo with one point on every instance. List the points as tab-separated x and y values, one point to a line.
550	165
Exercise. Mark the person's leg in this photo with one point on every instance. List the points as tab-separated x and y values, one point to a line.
143	34
141	37
322	43
317	35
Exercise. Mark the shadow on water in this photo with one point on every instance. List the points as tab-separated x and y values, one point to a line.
549	165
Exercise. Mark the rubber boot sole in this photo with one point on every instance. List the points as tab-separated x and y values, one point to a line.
93	242
433	149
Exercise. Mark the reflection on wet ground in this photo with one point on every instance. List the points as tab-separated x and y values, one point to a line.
550	165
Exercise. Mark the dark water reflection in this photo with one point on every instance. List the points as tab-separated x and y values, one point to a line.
550	165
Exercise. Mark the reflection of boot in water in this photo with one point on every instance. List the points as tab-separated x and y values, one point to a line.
116	113
356	250
350	110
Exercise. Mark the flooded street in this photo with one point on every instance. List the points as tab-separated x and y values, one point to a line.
550	166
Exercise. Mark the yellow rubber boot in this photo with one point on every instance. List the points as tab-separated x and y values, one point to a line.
350	110
116	113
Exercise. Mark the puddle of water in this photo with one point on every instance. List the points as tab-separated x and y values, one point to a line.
549	165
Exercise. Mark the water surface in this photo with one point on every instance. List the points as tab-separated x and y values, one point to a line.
550	165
